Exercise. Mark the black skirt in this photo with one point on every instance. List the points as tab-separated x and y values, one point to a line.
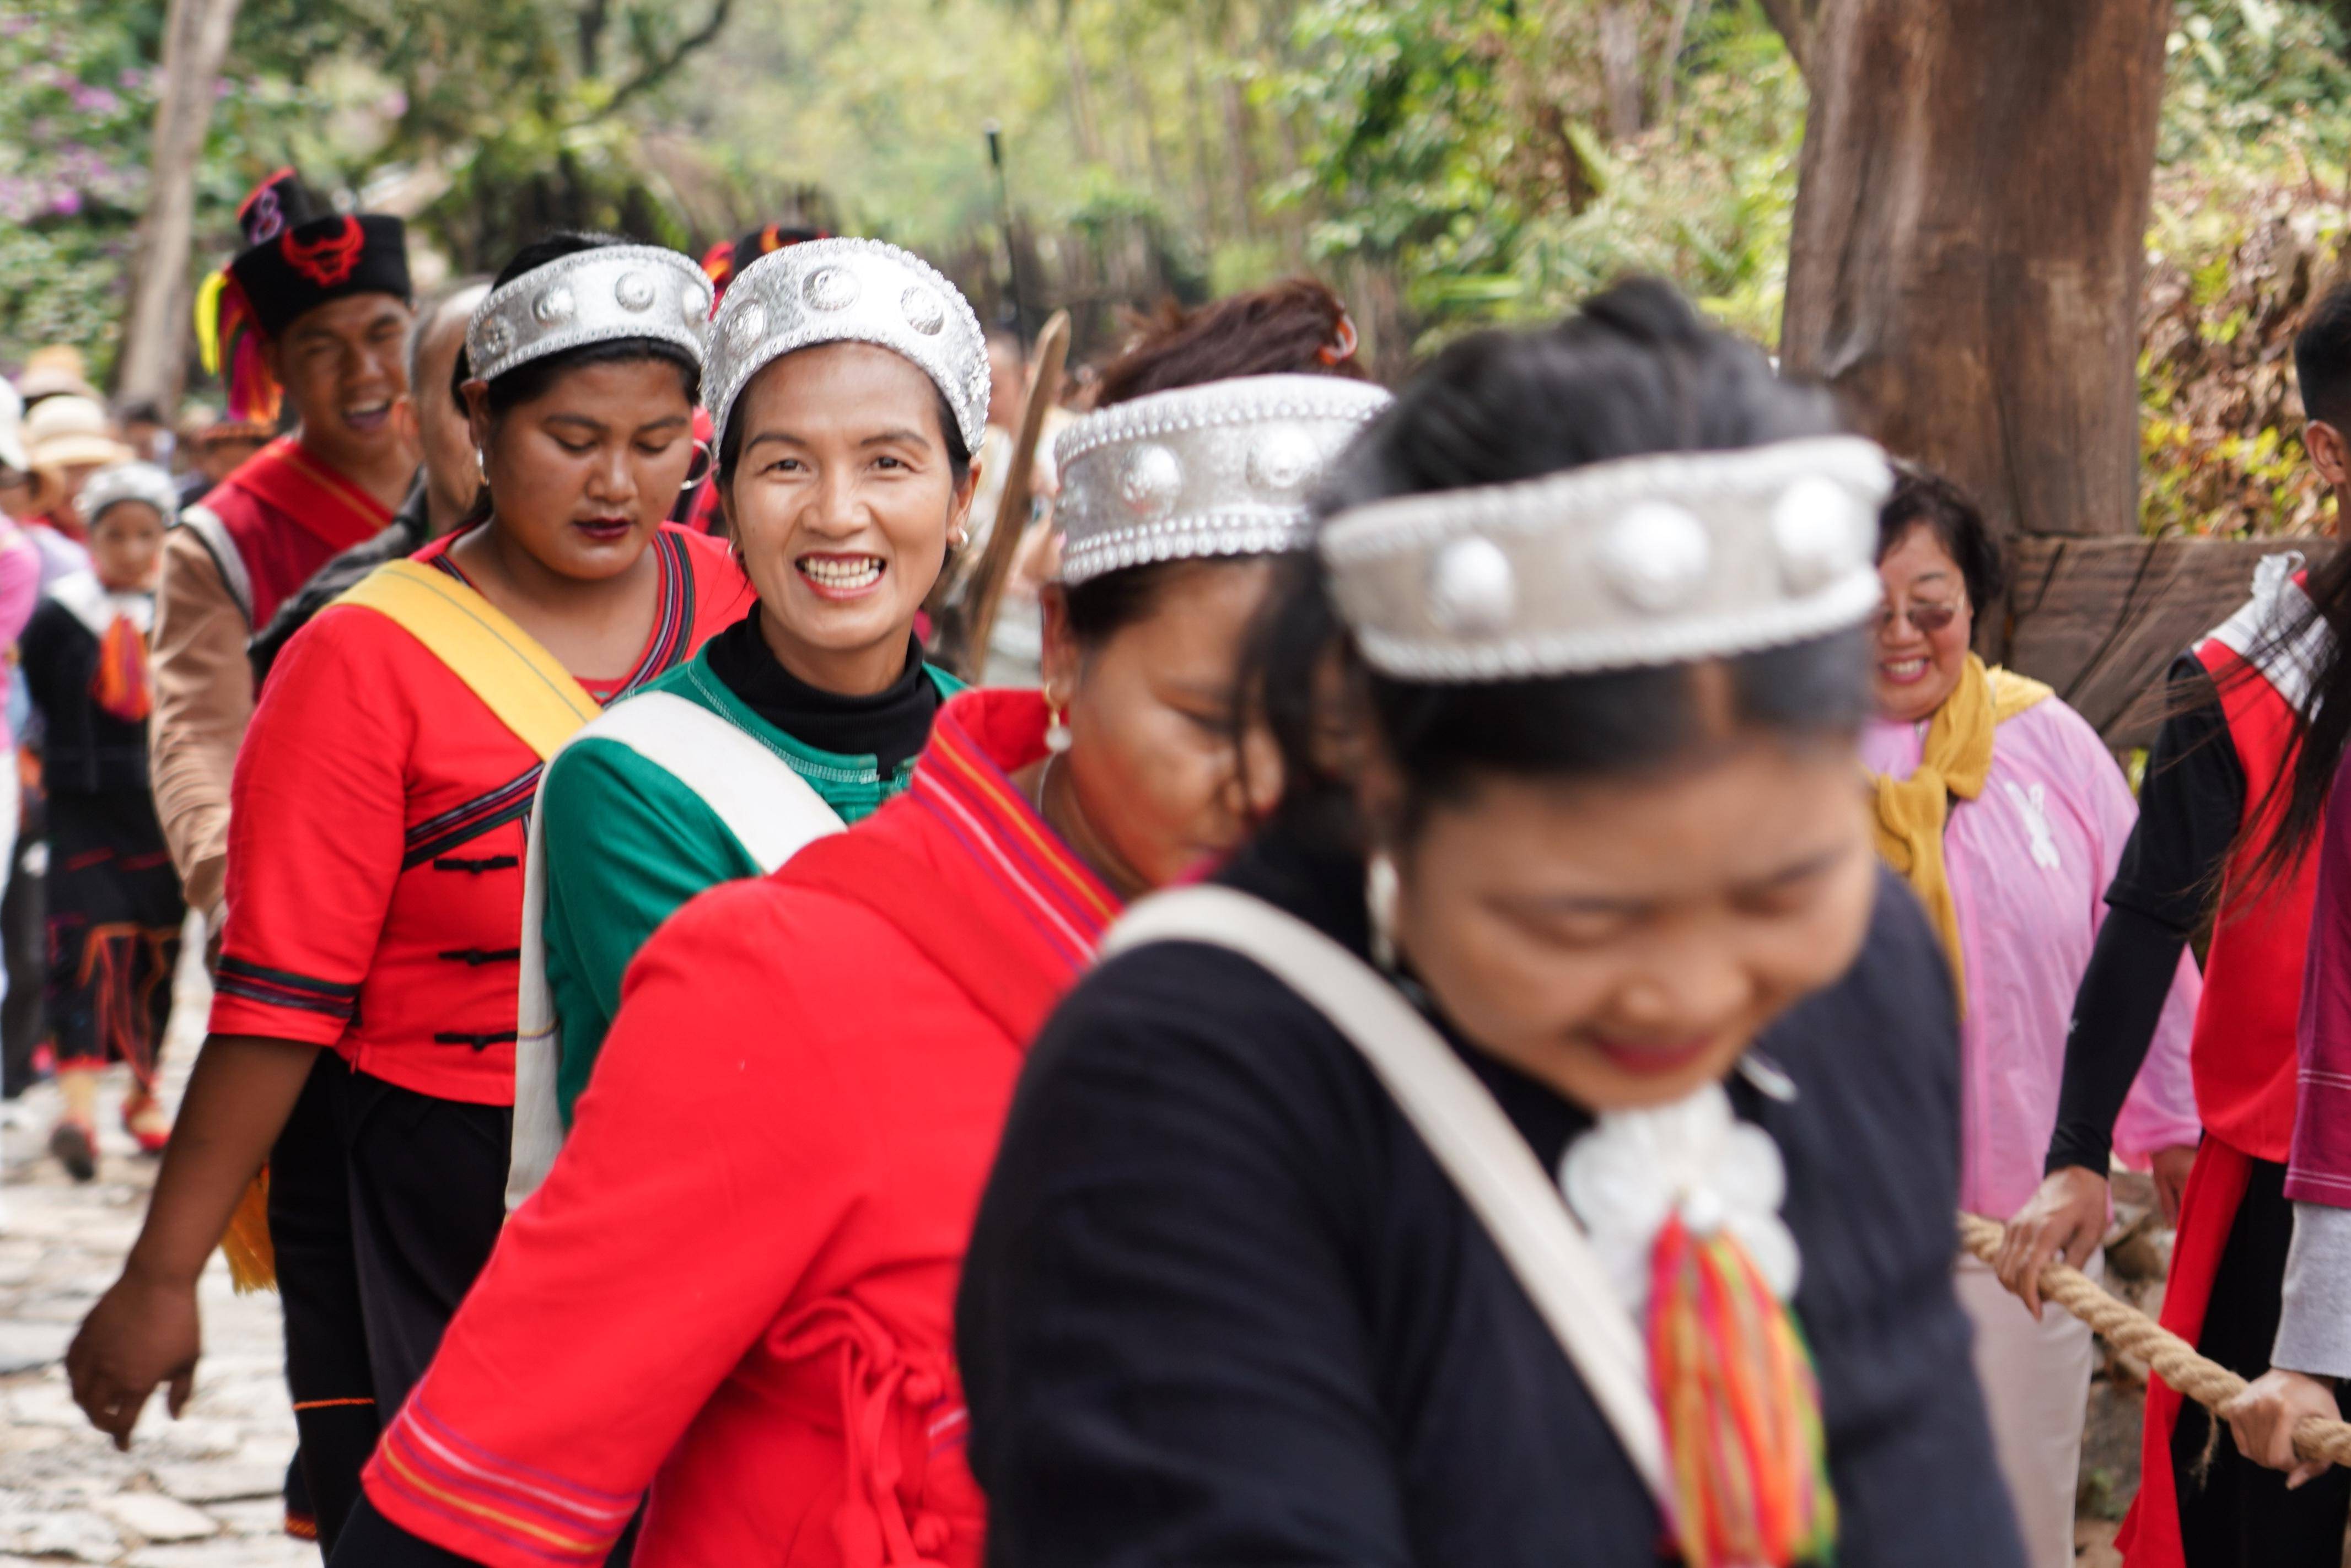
115	912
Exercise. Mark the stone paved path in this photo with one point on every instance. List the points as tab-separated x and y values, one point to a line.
199	1492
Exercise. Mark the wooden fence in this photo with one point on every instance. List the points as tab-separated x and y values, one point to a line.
2100	617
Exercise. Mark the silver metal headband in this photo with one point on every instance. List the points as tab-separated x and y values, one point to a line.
849	291
1222	469
590	297
1641	562
120	482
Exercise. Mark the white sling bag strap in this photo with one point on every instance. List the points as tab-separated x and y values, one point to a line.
771	810
1464	1128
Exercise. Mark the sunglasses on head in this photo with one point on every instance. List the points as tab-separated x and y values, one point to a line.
1925	619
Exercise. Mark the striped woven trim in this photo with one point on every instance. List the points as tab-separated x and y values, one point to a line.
533	1511
979	806
673	631
458	825
674	623
285	988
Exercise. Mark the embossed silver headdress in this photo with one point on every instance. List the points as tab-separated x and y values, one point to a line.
590	297
1223	468
848	291
1640	562
120	482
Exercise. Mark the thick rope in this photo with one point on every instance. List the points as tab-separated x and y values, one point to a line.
2171	1358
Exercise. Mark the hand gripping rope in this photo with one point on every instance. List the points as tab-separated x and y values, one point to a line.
2171	1358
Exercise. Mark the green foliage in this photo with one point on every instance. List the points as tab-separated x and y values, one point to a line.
1455	140
75	130
2248	226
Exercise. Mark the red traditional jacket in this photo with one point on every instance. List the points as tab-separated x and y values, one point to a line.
2242	1055
375	848
737	1284
280	517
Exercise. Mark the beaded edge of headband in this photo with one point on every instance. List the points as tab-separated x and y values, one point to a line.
596	295
1225	468
849	290
1656	560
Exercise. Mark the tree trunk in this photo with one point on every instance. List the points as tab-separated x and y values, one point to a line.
1970	238
196	40
1620	71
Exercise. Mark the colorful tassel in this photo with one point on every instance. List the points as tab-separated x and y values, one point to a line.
120	684
234	349
1741	1407
252	1259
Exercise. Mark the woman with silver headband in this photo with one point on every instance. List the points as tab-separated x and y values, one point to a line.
758	1330
1538	1145
848	386
364	1019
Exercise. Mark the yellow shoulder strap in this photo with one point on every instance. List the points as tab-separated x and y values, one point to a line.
500	662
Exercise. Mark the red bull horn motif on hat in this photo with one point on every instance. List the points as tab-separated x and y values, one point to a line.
721	261
300	253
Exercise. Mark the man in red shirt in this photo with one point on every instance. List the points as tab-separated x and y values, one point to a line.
310	318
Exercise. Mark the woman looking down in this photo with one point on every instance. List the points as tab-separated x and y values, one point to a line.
1567	703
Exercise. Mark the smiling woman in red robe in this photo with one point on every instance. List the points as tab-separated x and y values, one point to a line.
750	1315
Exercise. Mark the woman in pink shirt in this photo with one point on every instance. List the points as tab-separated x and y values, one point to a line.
2007	815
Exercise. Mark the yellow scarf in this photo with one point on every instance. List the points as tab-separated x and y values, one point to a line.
1956	758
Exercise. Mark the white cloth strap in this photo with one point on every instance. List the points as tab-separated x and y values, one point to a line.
1462	1126
208	526
771	810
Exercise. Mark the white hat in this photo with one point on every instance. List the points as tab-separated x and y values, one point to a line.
121	482
67	429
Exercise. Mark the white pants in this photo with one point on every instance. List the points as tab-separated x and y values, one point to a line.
2036	1385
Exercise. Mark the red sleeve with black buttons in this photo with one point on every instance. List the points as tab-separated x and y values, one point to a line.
374	868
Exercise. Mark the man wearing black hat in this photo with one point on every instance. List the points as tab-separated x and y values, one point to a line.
310	318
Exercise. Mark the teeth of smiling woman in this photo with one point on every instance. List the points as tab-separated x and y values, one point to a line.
858	573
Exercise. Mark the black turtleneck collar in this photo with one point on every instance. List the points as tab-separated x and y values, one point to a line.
890	726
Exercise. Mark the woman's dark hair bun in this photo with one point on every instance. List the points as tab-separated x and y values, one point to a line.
1296	327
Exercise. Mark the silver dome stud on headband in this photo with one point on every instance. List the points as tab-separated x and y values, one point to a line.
849	291
1226	468
1640	562
590	297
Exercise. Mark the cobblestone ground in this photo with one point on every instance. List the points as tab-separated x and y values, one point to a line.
198	1492
203	1492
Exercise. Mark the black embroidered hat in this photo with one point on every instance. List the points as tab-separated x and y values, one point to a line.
721	261
298	253
301	253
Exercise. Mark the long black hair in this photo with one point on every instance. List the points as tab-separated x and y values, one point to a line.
532	378
1635	371
2284	822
